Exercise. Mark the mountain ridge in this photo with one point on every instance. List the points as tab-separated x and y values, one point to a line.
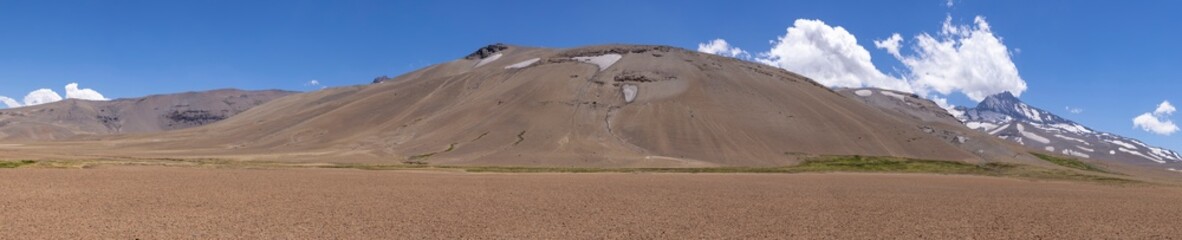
1006	116
159	112
598	106
619	106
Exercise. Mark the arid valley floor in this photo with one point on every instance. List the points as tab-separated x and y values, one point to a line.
153	202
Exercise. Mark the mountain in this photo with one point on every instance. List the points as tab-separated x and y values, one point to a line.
70	118
607	106
932	119
1007	117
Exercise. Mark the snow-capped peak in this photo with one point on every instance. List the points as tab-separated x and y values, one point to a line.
1006	104
1007	117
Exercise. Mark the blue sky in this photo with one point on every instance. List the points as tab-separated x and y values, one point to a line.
1113	60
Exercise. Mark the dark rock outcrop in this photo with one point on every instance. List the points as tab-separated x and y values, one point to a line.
486	51
193	117
382	78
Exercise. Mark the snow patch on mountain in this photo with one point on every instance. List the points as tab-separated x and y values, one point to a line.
1121	143
1032	136
983	126
1139	154
1075	153
523	64
1073	127
603	61
893	94
1165	154
998	130
630	92
488	59
1029	113
1072	139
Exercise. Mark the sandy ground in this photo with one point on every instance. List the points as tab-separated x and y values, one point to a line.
192	203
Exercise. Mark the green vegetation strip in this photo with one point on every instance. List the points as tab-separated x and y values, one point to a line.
15	164
819	164
1069	162
888	164
814	164
829	164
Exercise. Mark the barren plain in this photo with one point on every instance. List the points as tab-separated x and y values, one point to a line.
145	202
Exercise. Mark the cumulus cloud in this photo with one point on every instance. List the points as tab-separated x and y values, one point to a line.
722	48
1074	110
12	103
41	96
1165	108
1158	121
72	91
829	55
968	59
45	95
949	3
959	59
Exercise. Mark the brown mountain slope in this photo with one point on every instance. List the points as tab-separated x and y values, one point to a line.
655	106
71	117
934	120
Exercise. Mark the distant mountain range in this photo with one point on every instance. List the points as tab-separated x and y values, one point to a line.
1007	117
72	117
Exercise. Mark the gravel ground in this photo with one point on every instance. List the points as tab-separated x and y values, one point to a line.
192	203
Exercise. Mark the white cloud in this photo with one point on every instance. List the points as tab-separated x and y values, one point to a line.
41	96
967	59
1158	121
829	55
948	3
1074	110
722	48
964	59
45	95
72	91
12	103
1154	124
891	45
1165	108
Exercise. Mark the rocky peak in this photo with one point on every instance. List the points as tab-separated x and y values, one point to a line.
1000	101
382	78
1006	116
486	51
1004	106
